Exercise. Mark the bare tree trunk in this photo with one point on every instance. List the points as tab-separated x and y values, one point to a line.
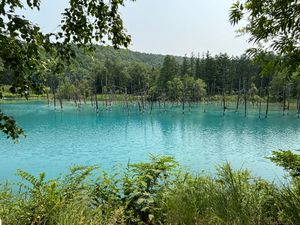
183	102
60	102
110	98
245	99
143	103
75	101
96	102
284	100
238	96
245	96
298	104
151	107
140	108
224	103
288	99
92	100
126	101
47	93
54	99
268	100
260	97
79	101
223	93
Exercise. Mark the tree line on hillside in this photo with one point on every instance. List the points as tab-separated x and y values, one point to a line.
263	78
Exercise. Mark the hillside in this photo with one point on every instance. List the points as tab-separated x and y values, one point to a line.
124	56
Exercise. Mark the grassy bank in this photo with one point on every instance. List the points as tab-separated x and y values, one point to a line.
156	192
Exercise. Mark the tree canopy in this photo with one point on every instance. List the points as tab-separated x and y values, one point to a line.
271	24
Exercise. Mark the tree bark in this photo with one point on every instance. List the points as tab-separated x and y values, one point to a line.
245	96
268	100
238	96
298	104
47	93
260	97
54	99
96	102
284	100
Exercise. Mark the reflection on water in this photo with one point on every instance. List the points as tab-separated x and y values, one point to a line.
198	140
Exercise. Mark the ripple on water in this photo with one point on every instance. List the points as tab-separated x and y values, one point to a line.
198	140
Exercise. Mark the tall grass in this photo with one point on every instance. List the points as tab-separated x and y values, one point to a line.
154	192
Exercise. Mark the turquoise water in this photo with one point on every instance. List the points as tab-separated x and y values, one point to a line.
198	140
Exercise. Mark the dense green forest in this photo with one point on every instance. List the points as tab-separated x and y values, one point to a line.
261	79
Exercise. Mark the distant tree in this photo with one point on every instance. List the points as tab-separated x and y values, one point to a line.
199	90
168	71
185	67
175	89
253	91
210	73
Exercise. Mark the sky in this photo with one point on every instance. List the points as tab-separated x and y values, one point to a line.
175	27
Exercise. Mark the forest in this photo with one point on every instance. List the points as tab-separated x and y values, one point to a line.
222	78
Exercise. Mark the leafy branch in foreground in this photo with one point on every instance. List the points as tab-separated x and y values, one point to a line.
9	127
272	23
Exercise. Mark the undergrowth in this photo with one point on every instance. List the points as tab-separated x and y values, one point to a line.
154	192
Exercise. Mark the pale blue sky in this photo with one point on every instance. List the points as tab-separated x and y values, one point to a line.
175	27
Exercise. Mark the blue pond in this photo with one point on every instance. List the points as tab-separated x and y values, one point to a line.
198	140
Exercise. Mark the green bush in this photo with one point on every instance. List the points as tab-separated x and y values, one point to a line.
154	192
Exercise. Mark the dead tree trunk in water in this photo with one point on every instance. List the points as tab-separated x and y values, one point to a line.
60	102
245	96
143	103
79	101
284	100
47	93
75	101
151	107
110	98
106	104
96	102
260	97
92	104
183	101
140	108
224	94
288	99
238	96
126	101
268	100
298	104
224	103
54	99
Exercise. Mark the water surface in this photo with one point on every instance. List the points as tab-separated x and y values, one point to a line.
198	140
